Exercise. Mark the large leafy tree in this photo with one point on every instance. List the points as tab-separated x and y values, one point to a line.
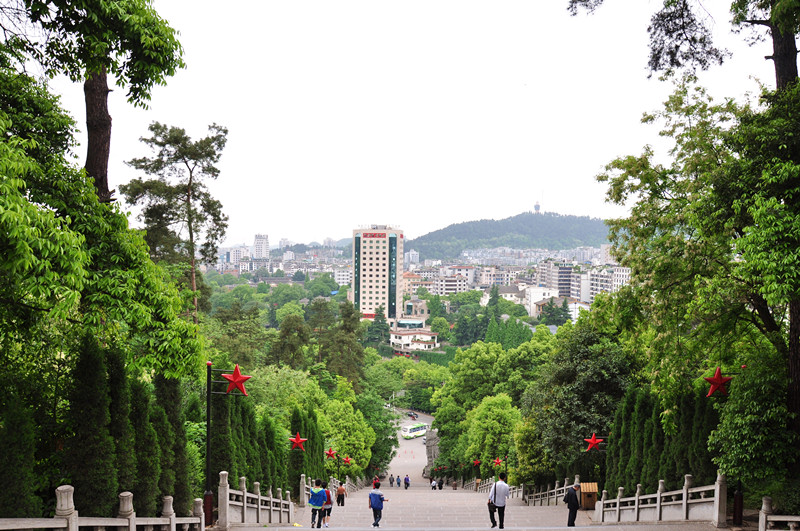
178	199
681	36
87	40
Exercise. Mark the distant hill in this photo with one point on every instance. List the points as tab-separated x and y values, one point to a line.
524	231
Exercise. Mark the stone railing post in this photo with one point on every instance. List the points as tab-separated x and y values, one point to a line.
687	484
290	505
602	506
126	510
301	497
243	488
620	490
223	501
168	512
197	512
636	501
662	488
553	494
577	479
766	510
65	506
257	492
720	501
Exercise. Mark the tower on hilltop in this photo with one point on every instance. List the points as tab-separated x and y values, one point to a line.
377	263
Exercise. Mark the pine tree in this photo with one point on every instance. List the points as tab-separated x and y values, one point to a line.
168	394
89	454
652	445
166	444
17	445
493	333
148	458
641	412
221	457
296	456
120	412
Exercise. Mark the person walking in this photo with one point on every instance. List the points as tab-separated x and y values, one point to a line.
376	500
391	480
341	494
441	483
573	501
327	506
316	500
406	482
398	481
497	500
433	484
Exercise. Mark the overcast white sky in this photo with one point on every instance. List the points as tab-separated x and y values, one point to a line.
414	113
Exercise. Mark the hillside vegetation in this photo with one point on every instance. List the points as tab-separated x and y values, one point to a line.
524	231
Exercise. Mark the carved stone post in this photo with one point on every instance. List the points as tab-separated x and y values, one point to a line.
662	488
301	498
290	505
168	512
687	484
243	488
223	501
197	512
620	490
65	506
636	501
601	506
257	492
720	502
126	510
766	510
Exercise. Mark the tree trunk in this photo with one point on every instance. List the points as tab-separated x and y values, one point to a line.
784	55
190	226
98	130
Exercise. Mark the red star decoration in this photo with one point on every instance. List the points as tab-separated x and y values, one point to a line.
594	442
476	462
347	460
498	462
297	441
330	452
237	380
718	383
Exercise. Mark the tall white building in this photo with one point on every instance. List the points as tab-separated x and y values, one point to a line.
261	246
377	270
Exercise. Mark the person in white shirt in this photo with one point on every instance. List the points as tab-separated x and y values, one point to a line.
497	500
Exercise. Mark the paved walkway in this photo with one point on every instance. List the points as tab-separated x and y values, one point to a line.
420	508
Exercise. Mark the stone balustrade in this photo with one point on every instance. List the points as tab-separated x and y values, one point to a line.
67	517
706	503
245	509
768	520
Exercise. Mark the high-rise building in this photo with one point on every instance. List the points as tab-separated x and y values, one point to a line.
261	246
377	266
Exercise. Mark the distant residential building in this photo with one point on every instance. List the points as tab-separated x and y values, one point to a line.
412	282
449	285
534	294
288	256
284	243
620	276
465	271
556	275
493	276
428	273
260	246
538	306
412	257
411	335
580	286
329	242
601	281
509	293
377	266
416	308
343	277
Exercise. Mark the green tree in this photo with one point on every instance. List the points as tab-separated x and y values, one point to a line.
378	331
490	432
178	198
680	34
88	40
439	325
89	455
289	347
17	445
120	427
148	460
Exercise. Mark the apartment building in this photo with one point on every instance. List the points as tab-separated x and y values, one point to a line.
377	268
449	285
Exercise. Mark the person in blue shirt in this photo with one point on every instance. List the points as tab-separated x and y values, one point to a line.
376	500
316	500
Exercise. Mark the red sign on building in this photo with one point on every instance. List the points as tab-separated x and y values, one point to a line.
374	235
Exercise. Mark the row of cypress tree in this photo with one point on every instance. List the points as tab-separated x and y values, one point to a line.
639	450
